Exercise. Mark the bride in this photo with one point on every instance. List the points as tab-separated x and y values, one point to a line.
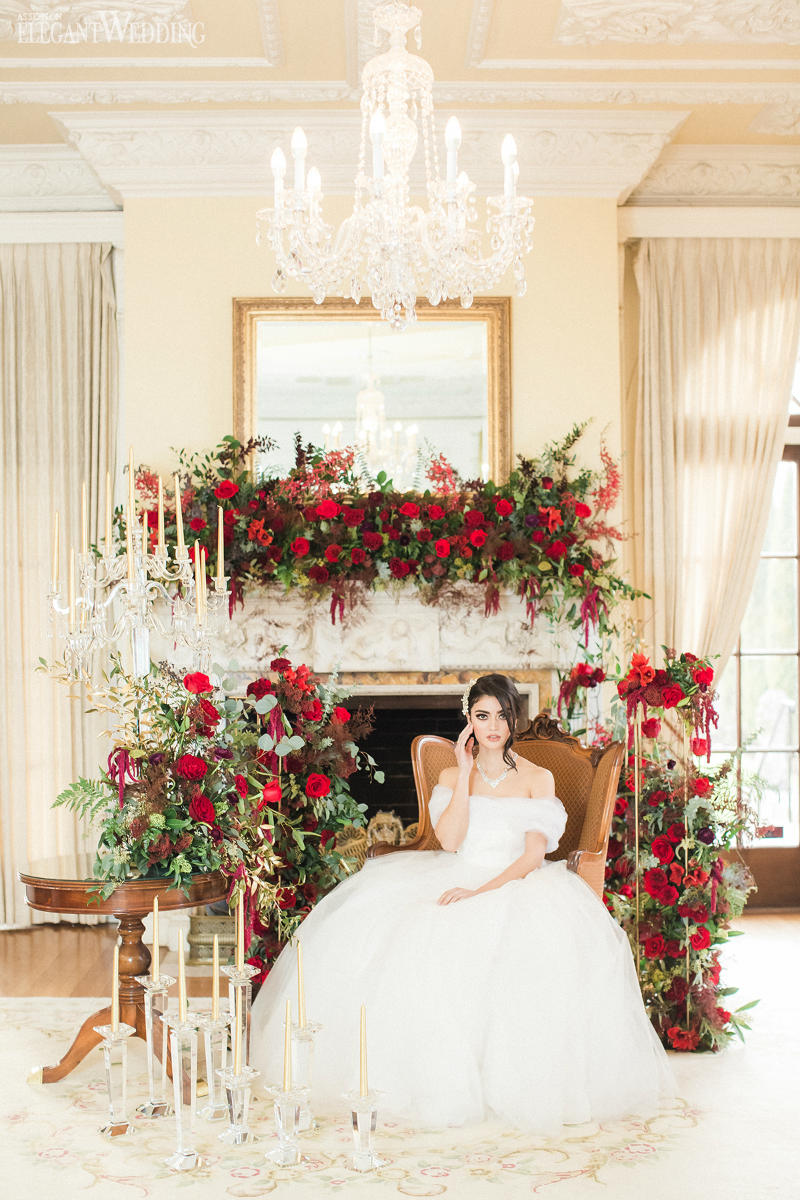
495	981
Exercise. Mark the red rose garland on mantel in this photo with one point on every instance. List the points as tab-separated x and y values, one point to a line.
668	880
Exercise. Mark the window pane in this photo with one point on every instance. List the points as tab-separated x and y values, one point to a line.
769	700
725	737
778	810
770	622
782	525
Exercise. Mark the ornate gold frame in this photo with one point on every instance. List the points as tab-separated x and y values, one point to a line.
494	310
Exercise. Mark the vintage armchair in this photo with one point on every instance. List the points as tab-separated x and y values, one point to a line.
586	781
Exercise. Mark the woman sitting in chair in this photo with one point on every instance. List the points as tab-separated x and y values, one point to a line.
495	982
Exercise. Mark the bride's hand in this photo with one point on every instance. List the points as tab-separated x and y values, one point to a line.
464	757
452	895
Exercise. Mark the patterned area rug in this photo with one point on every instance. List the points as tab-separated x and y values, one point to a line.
51	1145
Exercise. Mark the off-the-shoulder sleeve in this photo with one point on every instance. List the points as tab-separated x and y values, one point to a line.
440	798
548	816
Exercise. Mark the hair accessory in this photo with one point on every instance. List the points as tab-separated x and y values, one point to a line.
465	697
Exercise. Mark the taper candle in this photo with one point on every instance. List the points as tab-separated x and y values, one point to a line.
178	513
145	538
237	1035
240	932
108	512
203	579
115	991
54	574
129	542
287	1048
84	521
131	494
215	981
71	592
362	1056
155	962
181	981
198	599
301	988
161	542
220	545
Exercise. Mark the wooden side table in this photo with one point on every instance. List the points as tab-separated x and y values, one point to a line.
58	885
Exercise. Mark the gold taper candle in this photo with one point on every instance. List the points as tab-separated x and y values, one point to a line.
203	579
198	599
115	991
54	575
178	513
215	981
131	493
84	521
237	1035
220	545
71	592
108	512
161	543
155	962
287	1048
362	1056
301	988
181	980
240	932
129	542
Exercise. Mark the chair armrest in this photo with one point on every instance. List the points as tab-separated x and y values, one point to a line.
424	841
590	865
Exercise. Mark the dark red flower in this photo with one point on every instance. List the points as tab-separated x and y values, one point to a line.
300	547
424	535
651	727
196	683
576	569
318	573
241	785
702	939
279	664
189	766
701	786
435	512
353	517
160	849
357	556
546	482
620	806
473	518
683	1039
674	950
341	714
211	715
654	947
582	510
676	832
669	895
703	675
700	914
285	898
662	849
657	797
326	836
225	489
477	537
197	524
270	794
672	695
314	711
679	987
409	509
505	551
259	688
373	541
442	548
654	881
327	509
310	892
398	569
332	552
201	809
317	786
503	507
556	549
699	746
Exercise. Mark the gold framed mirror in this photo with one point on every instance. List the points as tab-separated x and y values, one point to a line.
338	375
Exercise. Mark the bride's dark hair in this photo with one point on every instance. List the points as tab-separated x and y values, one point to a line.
504	690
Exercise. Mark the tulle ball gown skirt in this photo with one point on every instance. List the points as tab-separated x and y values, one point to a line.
521	1003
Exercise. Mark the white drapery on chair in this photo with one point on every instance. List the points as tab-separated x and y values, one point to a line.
718	336
59	404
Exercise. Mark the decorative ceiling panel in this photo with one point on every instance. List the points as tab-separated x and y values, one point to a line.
588	22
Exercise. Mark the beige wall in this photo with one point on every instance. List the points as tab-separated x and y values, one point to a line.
185	259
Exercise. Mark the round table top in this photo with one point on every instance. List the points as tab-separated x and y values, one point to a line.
66	885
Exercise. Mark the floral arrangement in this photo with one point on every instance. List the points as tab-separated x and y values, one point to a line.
583	675
691	884
327	531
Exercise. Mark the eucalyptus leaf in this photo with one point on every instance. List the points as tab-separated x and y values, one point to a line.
265	704
265	742
379	776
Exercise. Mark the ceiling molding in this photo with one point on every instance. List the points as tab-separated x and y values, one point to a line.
639	222
227	153
49	178
175	91
621	91
589	22
783	119
63	227
722	175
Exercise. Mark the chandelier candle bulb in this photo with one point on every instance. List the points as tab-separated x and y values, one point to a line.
215	980
161	541
287	1048
181	980
54	572
220	547
178	515
377	132
115	991
84	521
301	988
452	141
278	166
108	514
299	148
155	963
363	1083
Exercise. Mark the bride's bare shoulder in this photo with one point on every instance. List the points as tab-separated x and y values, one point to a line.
538	781
448	777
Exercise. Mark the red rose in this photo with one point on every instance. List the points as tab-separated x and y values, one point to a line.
435	512
332	552
424	535
318	573
701	940
285	898
357	556
197	523
279	664
210	713
409	509
577	569
654	881
651	727
259	688
327	509
398	569
537	536
703	675
556	549
353	517
699	746
326	836
314	711
240	783
310	892
662	849
658	797
196	682
620	806
676	832
582	510
300	547
675	950
700	914
189	766
672	695
442	548
373	541
201	809
505	551
317	786
473	518
230	515
654	947
503	508
270	794
669	895
546	482
225	489
477	537
341	714
701	786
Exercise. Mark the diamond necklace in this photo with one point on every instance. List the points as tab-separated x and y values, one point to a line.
493	783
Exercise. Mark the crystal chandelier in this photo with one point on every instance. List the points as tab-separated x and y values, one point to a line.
389	247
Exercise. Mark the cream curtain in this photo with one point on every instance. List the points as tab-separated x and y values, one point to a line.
718	338
59	403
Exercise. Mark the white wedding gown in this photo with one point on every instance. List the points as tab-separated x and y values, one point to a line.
520	1003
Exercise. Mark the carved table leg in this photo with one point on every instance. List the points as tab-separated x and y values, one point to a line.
85	1041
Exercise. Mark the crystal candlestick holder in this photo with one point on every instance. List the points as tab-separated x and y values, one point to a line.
115	1056
157	1035
288	1103
238	1086
183	1044
215	1041
239	982
302	1055
364	1111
